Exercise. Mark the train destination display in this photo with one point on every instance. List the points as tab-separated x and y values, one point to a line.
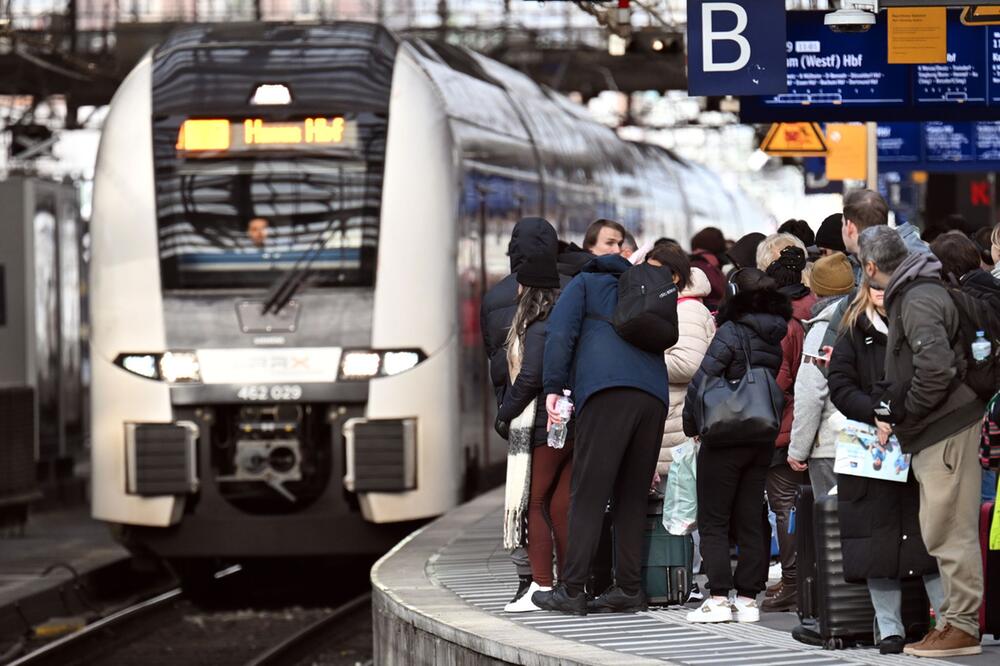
939	146
847	76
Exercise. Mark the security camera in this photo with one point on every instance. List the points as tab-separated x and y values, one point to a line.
853	16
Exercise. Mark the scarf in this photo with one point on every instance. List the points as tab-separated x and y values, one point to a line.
519	445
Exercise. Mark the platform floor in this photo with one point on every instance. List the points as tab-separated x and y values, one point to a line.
474	566
58	537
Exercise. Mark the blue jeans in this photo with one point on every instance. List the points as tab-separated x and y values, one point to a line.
887	598
989	485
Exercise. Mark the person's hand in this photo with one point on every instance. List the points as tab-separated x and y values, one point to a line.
502	428
656	481
550	408
796	465
825	354
884	432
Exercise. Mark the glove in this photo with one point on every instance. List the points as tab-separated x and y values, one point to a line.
890	402
502	428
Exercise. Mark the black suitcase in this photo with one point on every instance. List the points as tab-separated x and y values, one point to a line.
805	545
843	611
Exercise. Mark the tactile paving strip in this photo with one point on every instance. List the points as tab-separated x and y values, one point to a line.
476	568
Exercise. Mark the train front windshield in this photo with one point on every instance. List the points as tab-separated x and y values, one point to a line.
242	201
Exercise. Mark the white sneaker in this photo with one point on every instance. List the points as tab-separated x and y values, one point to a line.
525	604
745	610
714	609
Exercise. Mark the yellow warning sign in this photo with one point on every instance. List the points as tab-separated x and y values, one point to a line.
794	140
981	15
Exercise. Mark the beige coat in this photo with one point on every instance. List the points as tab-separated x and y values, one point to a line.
697	328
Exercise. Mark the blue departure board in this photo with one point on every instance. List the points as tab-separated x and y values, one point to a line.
847	76
939	146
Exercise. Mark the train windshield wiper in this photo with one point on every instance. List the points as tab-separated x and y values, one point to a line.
286	287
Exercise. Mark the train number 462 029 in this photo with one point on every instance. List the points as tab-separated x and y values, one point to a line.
276	392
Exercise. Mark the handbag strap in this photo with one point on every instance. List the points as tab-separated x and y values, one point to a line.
746	352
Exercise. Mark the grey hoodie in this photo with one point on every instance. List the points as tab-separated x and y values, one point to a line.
923	365
816	422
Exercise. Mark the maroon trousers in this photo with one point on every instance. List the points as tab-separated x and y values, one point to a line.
548	509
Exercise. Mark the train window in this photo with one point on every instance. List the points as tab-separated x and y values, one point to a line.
240	220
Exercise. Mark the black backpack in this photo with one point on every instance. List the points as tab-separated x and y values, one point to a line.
974	315
646	314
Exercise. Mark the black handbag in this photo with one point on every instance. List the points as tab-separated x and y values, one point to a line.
740	411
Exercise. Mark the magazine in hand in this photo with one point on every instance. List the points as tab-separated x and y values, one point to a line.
859	454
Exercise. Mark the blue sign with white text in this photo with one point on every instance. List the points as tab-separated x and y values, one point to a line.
847	76
939	146
736	47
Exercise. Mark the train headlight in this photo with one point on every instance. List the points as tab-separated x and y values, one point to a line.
180	367
368	364
360	365
396	362
143	365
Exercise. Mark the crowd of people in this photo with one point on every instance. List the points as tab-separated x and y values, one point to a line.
856	321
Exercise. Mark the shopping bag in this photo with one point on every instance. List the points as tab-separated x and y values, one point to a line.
859	454
680	496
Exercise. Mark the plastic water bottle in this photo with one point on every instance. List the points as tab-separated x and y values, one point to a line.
981	347
557	434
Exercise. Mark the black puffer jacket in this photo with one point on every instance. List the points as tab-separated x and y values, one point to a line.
983	286
571	261
528	385
759	318
879	520
500	302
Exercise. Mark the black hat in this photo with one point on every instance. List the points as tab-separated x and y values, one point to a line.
800	229
744	253
829	235
539	270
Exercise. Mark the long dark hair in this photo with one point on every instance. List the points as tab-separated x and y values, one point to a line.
533	304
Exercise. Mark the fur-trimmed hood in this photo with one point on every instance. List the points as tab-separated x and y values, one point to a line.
764	310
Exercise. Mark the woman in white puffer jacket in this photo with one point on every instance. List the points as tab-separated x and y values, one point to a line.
697	328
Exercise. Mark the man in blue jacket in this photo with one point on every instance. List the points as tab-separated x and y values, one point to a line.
621	396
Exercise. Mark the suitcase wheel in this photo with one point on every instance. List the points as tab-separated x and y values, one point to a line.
833	644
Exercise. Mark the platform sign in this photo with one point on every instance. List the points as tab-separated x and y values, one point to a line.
848	76
939	146
794	140
736	47
960	80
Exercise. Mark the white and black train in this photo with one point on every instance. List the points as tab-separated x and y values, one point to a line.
292	230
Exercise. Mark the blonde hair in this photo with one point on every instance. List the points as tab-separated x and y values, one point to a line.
770	248
995	238
862	304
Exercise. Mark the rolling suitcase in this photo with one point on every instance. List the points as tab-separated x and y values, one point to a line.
667	559
989	612
805	545
843	611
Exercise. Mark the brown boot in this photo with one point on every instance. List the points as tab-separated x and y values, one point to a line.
949	642
787	599
774	590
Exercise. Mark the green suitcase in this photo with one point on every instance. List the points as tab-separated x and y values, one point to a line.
666	560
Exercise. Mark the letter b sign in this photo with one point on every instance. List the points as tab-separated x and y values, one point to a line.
736	47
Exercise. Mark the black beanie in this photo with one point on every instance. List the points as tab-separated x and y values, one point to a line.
800	229
829	235
787	269
539	270
744	253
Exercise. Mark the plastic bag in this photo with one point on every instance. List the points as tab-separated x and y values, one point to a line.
680	496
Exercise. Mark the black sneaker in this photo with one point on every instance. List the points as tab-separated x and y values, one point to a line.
615	600
558	599
892	645
523	583
695	593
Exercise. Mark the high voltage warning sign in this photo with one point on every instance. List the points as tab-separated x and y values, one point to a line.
794	140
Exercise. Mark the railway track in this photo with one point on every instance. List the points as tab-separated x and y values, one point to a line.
169	628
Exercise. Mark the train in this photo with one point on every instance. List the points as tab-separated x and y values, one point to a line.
292	229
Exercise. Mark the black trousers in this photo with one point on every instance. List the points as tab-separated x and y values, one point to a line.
618	438
731	495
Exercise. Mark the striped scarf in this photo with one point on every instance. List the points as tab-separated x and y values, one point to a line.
519	447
